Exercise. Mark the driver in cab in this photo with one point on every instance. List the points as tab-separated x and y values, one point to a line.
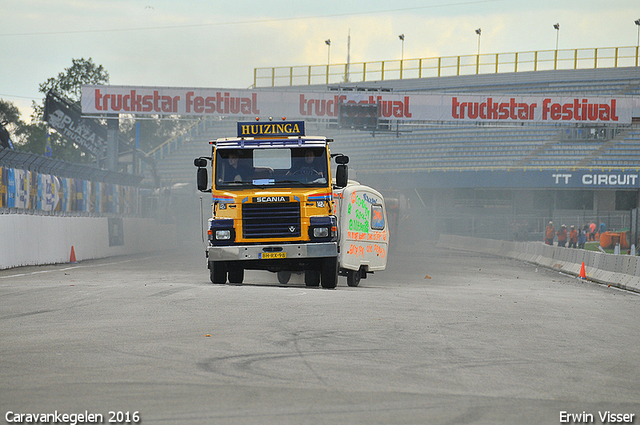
308	167
235	169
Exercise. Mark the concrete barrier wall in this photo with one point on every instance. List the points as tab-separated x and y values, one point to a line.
622	271
40	239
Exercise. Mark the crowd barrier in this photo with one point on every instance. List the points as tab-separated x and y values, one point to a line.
621	271
32	239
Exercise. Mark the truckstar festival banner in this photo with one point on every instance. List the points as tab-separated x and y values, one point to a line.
392	106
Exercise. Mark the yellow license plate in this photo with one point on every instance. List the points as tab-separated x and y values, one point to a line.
271	255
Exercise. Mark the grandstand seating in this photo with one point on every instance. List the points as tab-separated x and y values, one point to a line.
434	146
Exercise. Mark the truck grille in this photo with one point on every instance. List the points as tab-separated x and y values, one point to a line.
271	220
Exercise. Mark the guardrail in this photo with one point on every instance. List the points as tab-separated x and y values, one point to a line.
621	271
486	63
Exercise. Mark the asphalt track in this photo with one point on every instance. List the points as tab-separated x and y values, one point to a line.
440	337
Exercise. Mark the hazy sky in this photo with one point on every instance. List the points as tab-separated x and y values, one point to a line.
211	43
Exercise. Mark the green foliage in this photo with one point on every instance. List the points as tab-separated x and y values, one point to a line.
10	113
153	132
69	83
33	137
11	120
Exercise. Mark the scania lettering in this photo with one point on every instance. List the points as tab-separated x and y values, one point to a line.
273	205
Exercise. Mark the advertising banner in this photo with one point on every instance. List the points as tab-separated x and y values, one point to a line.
21	185
67	119
11	188
48	197
391	106
3	187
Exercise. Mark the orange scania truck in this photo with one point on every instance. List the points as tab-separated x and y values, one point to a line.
272	203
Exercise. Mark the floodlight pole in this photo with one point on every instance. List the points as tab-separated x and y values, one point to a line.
401	37
637	22
479	32
328	43
555	61
346	72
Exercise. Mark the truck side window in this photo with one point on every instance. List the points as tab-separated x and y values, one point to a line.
377	217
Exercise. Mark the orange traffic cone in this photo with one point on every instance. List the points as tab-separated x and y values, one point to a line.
583	274
72	259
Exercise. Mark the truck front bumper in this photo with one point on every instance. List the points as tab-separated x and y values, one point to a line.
257	252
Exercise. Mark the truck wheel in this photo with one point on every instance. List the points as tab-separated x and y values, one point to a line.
353	277
312	278
329	272
236	274
218	272
283	277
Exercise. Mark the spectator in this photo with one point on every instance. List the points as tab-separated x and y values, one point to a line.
549	234
592	231
582	237
562	236
573	237
602	228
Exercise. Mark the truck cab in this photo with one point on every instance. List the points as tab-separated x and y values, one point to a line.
272	203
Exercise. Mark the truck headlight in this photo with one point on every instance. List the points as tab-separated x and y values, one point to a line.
323	228
320	232
223	235
221	231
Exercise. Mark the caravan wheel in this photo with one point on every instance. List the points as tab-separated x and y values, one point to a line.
283	277
353	277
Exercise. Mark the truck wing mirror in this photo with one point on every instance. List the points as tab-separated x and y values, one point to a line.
342	159
203	180
200	162
342	175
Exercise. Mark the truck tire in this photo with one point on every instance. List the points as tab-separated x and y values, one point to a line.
312	278
218	272
329	273
236	274
353	277
284	276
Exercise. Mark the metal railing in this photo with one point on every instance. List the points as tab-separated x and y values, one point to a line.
539	60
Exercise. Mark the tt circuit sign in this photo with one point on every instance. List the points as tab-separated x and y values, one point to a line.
596	180
102	100
522	179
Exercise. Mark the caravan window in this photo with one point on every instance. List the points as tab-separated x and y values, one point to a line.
377	217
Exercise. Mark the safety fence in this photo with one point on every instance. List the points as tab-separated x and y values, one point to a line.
622	271
486	63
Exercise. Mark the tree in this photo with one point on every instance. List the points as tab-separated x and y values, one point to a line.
69	83
33	137
153	131
10	121
10	113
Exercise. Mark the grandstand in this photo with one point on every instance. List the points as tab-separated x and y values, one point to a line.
460	174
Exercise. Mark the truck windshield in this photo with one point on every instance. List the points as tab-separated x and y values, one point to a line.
278	167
